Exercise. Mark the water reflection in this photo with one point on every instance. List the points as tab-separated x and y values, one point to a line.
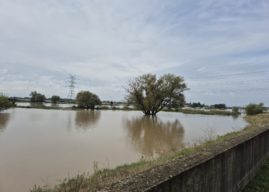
4	118
37	105
86	119
152	136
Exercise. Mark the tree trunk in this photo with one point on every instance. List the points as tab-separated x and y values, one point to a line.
150	113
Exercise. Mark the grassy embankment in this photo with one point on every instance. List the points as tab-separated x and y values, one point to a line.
100	178
261	181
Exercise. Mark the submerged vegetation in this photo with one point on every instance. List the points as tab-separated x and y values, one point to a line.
105	177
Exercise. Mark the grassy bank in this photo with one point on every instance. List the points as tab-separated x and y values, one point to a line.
261	181
100	178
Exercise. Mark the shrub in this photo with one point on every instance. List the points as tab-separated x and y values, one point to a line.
4	102
88	100
253	109
235	110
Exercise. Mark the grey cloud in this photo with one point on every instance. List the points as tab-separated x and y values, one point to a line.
106	43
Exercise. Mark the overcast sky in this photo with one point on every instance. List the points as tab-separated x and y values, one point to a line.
220	47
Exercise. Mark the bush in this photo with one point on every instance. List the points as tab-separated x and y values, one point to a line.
235	110
253	109
4	102
88	100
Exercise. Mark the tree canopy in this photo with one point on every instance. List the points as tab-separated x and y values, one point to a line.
37	97
55	99
88	100
150	95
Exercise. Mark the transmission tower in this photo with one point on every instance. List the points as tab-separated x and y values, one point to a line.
71	86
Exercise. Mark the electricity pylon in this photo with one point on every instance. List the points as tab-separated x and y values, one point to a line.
71	85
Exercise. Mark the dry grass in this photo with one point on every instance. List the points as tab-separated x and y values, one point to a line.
257	121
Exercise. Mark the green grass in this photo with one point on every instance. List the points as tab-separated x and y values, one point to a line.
5	103
261	181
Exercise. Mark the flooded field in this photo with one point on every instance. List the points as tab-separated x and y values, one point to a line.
44	146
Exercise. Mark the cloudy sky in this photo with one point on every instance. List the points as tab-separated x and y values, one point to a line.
220	47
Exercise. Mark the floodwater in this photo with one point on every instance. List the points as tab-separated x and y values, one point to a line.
28	104
45	146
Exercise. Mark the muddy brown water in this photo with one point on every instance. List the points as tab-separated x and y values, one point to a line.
45	146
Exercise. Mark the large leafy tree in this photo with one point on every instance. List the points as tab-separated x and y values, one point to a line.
55	99
88	100
151	95
37	97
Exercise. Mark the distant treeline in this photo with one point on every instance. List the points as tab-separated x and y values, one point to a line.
200	105
64	100
46	100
